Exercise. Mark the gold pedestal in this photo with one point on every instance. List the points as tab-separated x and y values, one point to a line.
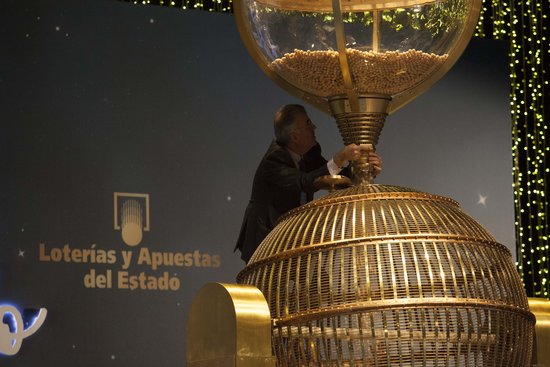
541	351
229	326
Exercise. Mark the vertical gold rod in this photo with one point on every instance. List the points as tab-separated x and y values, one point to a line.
343	57
354	259
298	285
376	31
308	281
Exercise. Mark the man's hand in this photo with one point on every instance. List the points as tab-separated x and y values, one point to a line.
376	163
348	153
353	152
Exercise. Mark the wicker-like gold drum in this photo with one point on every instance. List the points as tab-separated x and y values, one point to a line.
377	275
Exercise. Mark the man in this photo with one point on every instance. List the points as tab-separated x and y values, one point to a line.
284	178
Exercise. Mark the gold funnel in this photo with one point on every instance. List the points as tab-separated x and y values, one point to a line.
360	124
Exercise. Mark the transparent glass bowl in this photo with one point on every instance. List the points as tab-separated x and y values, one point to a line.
327	48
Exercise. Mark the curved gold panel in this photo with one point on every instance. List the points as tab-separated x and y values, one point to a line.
229	325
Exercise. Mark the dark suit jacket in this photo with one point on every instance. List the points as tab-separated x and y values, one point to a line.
277	188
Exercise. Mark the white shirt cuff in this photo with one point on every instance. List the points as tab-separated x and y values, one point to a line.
333	168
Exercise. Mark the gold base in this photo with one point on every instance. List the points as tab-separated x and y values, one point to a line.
229	326
331	182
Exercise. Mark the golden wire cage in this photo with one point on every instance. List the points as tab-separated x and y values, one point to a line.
377	275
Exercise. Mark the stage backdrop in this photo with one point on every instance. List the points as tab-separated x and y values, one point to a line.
130	136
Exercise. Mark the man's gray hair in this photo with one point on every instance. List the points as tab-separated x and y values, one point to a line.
284	121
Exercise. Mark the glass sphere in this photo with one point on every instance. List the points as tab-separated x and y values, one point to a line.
327	48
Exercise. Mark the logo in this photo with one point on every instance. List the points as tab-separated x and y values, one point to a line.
13	330
147	267
130	210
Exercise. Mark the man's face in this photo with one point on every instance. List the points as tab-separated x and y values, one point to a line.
304	133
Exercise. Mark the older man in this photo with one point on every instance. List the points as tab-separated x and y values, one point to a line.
284	178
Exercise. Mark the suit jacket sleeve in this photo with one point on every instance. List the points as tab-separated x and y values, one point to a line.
279	170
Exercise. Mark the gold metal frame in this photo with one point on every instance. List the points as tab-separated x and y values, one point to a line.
377	275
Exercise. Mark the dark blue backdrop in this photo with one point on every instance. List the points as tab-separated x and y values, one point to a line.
99	97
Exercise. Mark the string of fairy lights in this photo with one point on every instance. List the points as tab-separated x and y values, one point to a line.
524	23
529	67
